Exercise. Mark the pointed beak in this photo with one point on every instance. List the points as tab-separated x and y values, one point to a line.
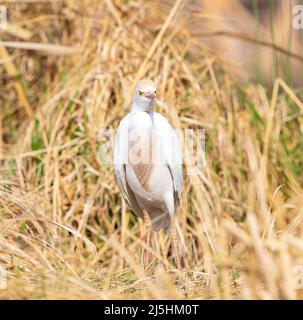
150	95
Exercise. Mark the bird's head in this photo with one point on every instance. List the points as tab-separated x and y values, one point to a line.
144	95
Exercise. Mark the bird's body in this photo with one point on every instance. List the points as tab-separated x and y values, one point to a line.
150	186
148	162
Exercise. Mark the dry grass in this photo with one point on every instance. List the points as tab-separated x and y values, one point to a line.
64	231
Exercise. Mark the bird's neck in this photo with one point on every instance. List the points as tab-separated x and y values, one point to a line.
148	107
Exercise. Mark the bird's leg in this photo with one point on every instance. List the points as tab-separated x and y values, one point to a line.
175	244
147	256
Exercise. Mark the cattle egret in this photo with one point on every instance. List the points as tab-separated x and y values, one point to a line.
148	165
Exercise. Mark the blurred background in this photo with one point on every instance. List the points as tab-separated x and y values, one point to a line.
67	71
254	39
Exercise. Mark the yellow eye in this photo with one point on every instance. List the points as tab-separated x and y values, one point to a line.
140	93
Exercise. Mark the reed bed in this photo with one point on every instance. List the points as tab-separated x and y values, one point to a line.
64	229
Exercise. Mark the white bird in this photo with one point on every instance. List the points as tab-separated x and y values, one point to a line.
148	164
